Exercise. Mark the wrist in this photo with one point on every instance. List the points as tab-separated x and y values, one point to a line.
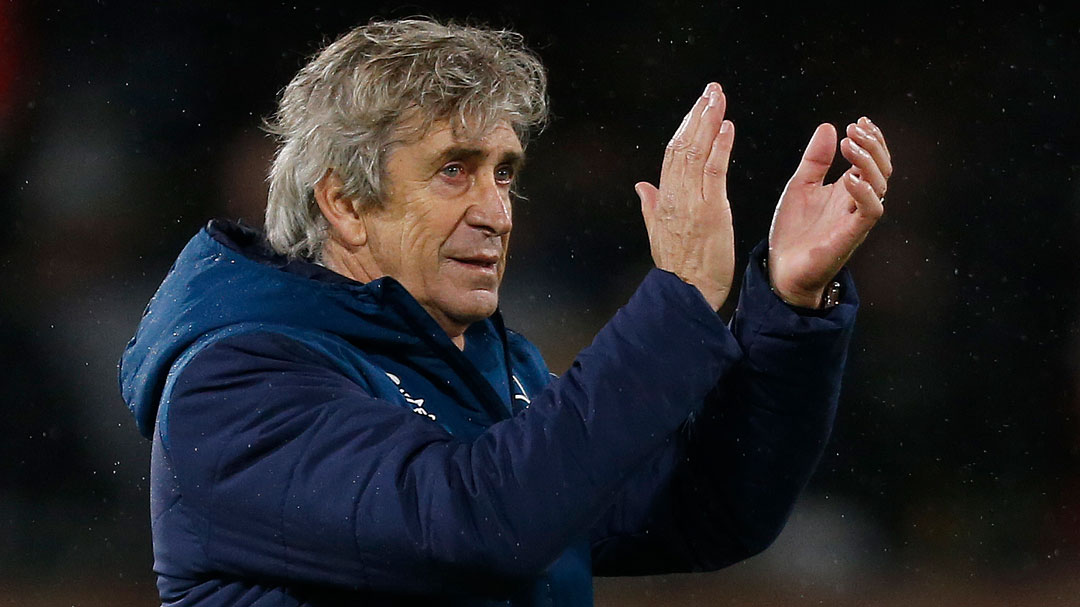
821	298
810	301
715	297
713	292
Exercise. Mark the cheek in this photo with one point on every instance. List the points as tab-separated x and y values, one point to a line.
423	240
422	232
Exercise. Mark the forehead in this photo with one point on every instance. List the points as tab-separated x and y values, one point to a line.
442	142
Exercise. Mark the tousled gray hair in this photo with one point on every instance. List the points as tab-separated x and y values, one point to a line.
348	106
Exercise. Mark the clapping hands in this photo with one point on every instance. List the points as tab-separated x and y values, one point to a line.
815	229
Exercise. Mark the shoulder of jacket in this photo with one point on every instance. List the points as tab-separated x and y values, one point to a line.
269	341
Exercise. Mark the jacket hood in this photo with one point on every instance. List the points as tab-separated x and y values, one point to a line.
227	275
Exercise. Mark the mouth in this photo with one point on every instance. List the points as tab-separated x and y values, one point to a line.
480	262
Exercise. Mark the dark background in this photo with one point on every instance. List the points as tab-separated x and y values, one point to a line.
952	475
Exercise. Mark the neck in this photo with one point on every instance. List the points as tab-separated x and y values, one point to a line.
359	265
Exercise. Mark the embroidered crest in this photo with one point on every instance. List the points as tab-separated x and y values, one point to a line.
523	396
417	403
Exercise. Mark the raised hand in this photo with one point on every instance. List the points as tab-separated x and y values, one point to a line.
816	226
688	217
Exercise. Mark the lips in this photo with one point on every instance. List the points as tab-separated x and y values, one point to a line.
478	259
483	265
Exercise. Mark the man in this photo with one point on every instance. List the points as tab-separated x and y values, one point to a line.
339	416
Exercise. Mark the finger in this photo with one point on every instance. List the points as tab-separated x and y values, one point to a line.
697	153
873	144
673	155
867	203
868	169
675	143
708	125
875	130
818	156
714	186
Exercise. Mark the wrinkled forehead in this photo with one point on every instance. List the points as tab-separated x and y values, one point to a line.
416	125
443	140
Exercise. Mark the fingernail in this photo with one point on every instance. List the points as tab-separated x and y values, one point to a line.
862	131
705	93
858	148
725	126
853	177
714	98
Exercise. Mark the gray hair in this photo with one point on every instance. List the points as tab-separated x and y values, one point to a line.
347	107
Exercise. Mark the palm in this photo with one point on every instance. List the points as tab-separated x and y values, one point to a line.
814	231
818	226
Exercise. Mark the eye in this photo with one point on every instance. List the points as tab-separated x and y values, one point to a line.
504	174
453	171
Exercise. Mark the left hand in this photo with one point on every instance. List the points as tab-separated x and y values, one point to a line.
816	226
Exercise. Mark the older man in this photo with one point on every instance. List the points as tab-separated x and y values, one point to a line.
339	416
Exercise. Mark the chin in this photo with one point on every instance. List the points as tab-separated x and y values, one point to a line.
475	306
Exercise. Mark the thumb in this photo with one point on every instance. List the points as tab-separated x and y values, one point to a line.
818	156
648	194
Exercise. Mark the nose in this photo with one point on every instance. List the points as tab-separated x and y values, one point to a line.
491	210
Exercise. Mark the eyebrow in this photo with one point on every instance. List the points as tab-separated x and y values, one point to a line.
459	152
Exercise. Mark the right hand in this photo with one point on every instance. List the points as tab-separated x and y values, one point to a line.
688	217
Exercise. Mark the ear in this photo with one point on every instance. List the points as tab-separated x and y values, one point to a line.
346	223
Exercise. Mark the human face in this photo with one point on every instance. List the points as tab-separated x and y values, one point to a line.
443	230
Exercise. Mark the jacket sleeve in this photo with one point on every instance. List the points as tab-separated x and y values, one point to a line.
292	472
722	487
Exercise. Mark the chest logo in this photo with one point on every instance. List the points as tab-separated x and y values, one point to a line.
417	403
520	394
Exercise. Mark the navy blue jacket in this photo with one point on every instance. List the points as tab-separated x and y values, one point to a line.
317	441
